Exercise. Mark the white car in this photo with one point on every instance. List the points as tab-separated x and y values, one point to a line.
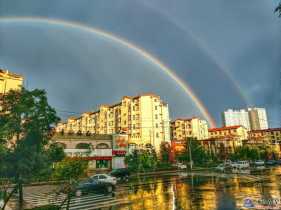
259	163
180	166
240	164
105	178
220	167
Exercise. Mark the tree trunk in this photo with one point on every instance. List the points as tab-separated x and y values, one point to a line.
20	195
6	199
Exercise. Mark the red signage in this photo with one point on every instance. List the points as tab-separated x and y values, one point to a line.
119	152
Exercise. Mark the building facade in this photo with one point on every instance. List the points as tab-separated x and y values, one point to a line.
252	118
145	119
181	129
104	152
237	132
10	81
271	135
258	118
236	117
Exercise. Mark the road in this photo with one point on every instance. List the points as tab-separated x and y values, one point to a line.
200	190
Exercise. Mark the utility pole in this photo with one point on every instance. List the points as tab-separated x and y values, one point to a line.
190	154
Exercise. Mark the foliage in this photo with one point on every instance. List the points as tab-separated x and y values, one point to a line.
278	9
56	153
70	169
199	155
141	160
26	122
253	153
165	151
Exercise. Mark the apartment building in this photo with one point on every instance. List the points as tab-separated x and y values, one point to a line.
237	132
272	135
236	117
258	118
145	118
253	118
9	81
195	127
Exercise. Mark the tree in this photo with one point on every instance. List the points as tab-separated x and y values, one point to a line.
26	123
142	160
278	9
247	153
70	170
165	149
198	153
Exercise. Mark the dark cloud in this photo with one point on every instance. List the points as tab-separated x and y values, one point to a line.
239	37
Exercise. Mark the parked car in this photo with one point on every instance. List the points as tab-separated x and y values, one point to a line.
240	164
278	162
120	173
180	165
93	185
271	162
105	178
259	162
220	167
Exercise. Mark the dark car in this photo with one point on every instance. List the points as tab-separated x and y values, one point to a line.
279	162
92	185
120	173
271	162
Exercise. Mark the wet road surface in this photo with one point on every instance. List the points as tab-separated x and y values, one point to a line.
200	190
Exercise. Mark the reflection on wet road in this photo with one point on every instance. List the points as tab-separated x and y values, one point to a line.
204	191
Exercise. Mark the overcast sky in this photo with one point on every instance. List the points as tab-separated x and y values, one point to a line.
229	52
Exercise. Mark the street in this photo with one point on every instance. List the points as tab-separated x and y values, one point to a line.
180	190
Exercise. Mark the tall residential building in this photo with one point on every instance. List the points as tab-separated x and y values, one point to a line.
193	127
252	118
9	81
144	118
258	118
236	117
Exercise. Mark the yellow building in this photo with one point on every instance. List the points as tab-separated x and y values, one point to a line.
144	118
193	127
235	132
9	81
272	135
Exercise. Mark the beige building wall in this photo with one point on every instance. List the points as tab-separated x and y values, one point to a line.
10	81
235	132
193	128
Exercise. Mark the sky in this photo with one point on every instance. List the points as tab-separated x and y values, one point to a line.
227	52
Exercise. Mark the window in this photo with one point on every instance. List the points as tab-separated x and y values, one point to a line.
156	125
155	107
156	116
102	164
157	135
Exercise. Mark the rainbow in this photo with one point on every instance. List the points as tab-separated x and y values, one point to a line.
185	87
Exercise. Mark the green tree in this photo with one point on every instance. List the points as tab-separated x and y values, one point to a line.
247	153
142	160
26	123
198	154
70	170
165	149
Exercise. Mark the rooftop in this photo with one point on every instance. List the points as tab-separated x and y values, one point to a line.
225	128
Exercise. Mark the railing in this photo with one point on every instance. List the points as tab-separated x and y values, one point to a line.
90	153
